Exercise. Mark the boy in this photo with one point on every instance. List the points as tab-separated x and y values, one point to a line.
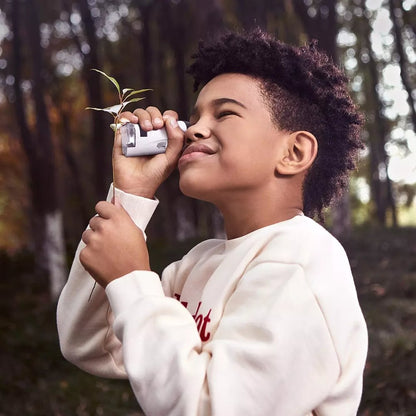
266	322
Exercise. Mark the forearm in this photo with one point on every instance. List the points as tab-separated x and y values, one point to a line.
84	315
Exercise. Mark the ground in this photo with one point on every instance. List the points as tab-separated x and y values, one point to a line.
37	381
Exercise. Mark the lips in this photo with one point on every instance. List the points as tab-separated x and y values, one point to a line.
198	148
194	152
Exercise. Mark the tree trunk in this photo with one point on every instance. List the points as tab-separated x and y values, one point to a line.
324	28
47	218
397	30
145	40
72	165
341	217
377	131
398	5
381	188
175	34
209	15
101	143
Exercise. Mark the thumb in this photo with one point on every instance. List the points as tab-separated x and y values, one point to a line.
117	143
176	138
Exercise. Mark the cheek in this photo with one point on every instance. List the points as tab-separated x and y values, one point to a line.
235	167
248	163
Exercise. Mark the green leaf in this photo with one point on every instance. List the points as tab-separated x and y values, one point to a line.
126	90
94	108
133	100
116	108
113	80
99	109
135	92
112	110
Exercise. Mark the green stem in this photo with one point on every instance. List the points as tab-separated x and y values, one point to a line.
116	121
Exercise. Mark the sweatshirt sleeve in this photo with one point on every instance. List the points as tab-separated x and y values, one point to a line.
84	317
272	353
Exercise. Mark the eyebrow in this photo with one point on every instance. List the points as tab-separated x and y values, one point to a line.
219	101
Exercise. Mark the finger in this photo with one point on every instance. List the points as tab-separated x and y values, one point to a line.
156	117
170	113
127	116
144	119
105	209
86	236
96	223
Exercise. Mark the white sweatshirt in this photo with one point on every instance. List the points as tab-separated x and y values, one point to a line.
261	325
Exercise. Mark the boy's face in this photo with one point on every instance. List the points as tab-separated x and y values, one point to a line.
233	144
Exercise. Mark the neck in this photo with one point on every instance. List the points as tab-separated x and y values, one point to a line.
243	214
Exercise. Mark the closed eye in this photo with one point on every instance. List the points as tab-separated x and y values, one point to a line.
226	113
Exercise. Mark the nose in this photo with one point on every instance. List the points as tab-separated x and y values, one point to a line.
196	132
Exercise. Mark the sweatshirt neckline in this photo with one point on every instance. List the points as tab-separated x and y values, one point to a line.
232	242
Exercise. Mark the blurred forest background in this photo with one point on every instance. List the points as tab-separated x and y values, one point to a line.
55	163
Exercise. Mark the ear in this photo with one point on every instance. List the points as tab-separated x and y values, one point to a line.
299	153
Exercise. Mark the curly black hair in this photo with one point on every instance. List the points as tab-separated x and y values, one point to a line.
304	90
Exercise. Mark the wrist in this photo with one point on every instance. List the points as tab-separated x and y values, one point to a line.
144	192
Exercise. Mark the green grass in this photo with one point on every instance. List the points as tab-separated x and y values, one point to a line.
37	381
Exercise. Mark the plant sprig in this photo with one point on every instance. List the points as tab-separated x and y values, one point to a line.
125	96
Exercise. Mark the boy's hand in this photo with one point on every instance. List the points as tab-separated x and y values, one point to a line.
143	175
115	245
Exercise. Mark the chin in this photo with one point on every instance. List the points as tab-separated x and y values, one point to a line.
194	188
190	188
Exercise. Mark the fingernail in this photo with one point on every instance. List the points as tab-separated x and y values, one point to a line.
158	121
147	124
173	122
